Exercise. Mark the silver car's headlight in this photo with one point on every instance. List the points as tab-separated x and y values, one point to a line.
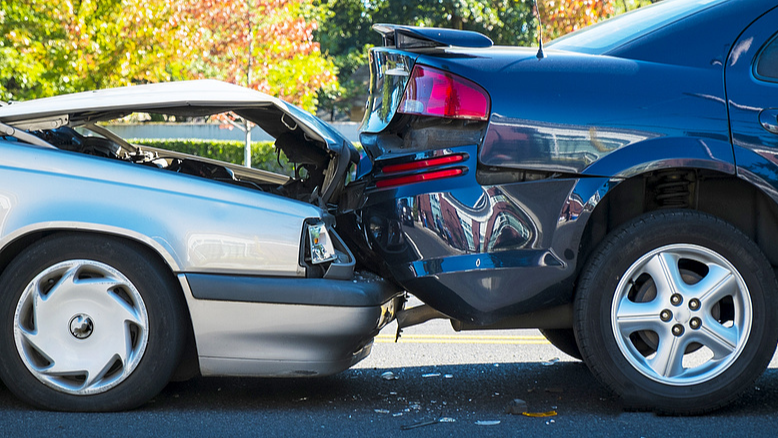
320	244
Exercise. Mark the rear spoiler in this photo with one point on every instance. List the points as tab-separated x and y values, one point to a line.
413	37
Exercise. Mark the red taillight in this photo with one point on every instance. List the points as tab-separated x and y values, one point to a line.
423	164
432	92
402	180
429	163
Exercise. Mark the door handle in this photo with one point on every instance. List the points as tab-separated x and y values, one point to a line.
768	118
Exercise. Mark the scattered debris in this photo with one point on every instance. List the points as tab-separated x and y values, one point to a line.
550	362
381	411
516	407
428	423
389	376
487	422
399	414
431	375
540	414
448	376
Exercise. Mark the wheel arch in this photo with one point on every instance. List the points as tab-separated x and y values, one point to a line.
29	234
719	194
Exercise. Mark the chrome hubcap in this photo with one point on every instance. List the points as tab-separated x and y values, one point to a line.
693	306
81	327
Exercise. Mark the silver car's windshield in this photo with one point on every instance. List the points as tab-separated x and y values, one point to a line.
602	37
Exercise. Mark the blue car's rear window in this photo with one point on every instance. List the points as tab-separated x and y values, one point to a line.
602	37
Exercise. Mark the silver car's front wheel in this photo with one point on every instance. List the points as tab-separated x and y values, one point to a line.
675	312
81	327
89	323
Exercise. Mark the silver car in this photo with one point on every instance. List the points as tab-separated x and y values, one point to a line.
124	265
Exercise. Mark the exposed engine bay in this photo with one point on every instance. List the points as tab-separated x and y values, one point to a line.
311	162
318	157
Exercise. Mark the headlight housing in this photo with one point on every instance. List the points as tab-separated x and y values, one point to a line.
323	254
320	244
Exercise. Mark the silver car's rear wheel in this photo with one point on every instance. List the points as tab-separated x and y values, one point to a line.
88	323
81	327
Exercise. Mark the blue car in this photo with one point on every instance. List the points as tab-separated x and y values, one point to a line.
616	189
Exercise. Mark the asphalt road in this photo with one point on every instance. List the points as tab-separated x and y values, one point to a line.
467	379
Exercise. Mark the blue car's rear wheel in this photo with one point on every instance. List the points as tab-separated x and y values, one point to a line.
675	312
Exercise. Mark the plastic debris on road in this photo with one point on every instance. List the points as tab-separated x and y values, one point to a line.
431	375
550	362
487	422
381	411
389	376
428	423
448	376
540	414
516	407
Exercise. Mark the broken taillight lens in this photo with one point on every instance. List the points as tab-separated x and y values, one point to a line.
433	92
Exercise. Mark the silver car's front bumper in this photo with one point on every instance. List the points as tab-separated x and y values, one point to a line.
286	327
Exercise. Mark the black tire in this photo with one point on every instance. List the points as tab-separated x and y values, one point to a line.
653	269
127	313
563	339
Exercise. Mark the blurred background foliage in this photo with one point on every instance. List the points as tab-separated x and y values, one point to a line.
309	52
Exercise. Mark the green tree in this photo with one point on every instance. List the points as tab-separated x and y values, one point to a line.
564	16
506	22
346	34
32	43
57	46
50	47
266	45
